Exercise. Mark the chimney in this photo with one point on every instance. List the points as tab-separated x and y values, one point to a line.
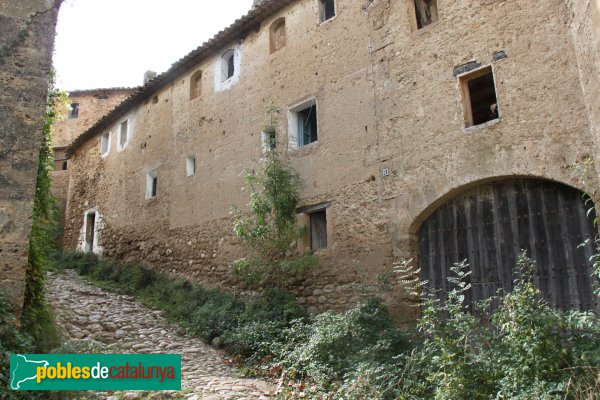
148	76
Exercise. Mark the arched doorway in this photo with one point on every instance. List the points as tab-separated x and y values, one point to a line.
489	225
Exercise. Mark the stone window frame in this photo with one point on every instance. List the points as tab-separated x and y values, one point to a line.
196	85
463	80
105	137
226	84
413	18
293	134
120	145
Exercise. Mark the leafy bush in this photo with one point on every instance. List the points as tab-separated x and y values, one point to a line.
530	351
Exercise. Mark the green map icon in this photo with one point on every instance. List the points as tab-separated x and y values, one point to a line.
23	369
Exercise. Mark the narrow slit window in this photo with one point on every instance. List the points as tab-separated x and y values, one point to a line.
479	97
318	230
90	231
123	133
104	143
190	166
426	12
152	184
327	9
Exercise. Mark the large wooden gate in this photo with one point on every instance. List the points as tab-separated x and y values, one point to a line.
491	224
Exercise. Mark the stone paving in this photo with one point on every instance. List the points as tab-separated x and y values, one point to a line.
118	323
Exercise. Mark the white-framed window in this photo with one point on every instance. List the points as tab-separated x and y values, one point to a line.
73	110
268	141
124	134
105	144
152	184
190	166
480	101
303	124
227	69
326	10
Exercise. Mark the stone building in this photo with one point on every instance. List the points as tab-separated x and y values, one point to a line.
27	29
85	109
435	130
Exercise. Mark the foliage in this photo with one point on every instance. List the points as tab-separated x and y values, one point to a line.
37	319
530	351
271	231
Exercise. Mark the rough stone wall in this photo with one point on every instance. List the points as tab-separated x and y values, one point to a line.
26	40
386	98
93	104
585	29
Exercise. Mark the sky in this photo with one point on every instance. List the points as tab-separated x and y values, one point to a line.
111	43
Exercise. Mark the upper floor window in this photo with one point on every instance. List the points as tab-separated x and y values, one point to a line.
426	12
195	85
326	9
302	124
123	134
277	36
480	102
227	65
105	144
74	110
227	71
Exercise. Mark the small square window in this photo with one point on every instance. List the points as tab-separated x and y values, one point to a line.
123	133
105	143
426	12
480	102
152	184
327	9
74	110
303	124
190	166
318	230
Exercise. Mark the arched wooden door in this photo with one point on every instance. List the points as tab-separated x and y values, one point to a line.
490	224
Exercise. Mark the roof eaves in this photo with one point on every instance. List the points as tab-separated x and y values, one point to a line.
238	29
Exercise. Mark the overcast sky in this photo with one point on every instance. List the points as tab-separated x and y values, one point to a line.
111	43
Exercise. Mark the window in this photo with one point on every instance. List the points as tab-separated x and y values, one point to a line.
123	134
479	97
269	141
303	124
61	162
195	85
318	229
425	12
190	166
152	184
326	9
227	65
90	231
105	143
74	110
277	35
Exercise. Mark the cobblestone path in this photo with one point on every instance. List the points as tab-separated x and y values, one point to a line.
119	323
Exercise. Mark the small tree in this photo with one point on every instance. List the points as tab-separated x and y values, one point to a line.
270	230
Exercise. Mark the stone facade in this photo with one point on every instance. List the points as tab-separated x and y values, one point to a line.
91	105
393	142
27	30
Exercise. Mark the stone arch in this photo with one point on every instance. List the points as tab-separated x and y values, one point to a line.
488	222
277	35
196	85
